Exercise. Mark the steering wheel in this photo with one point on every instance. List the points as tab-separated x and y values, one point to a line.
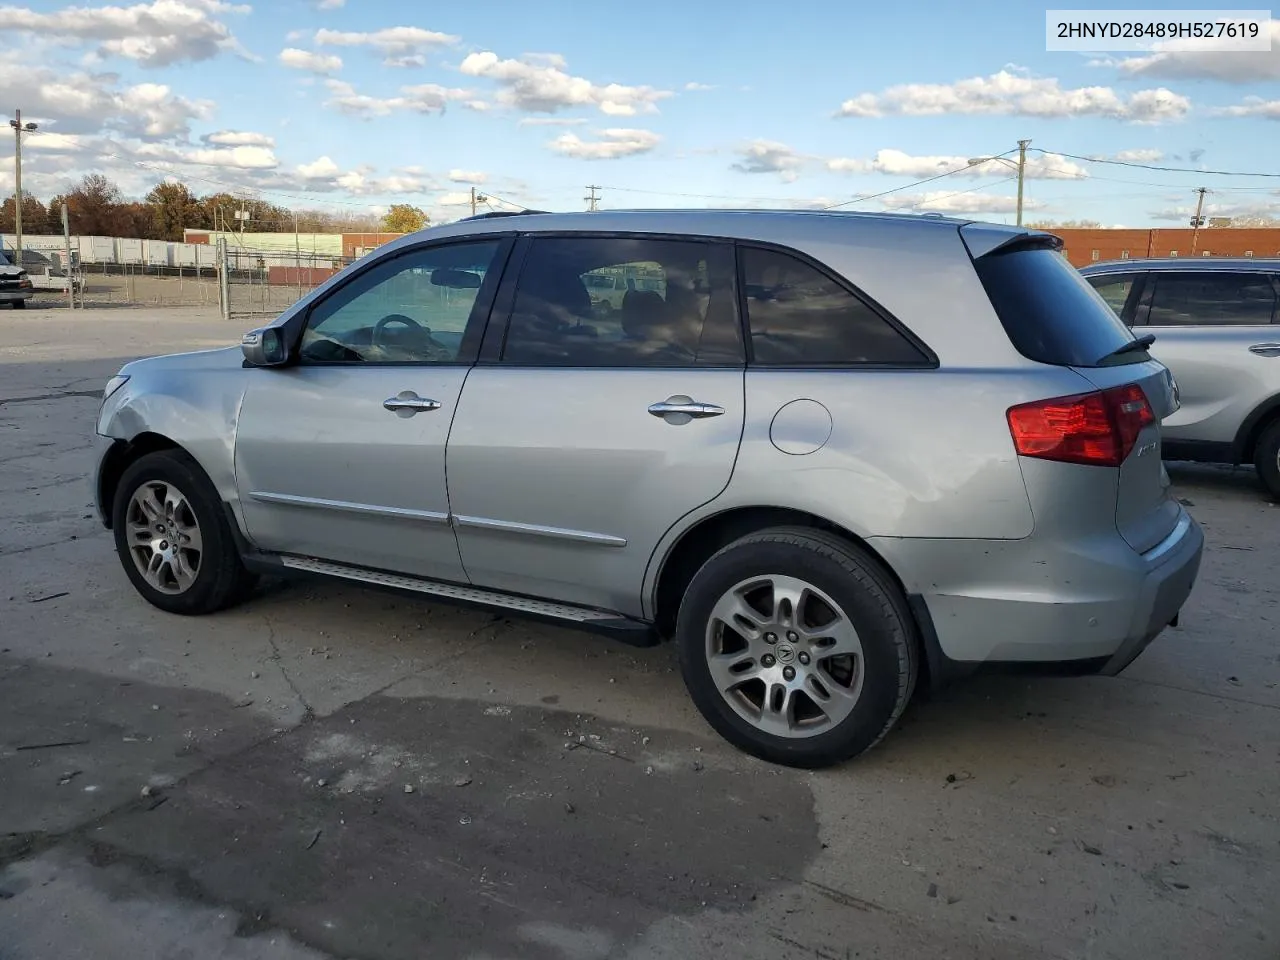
399	318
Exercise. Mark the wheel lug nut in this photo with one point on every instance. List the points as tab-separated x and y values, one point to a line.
770	638
767	660
789	673
792	636
803	658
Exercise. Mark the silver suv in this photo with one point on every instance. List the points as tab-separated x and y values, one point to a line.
827	454
1216	323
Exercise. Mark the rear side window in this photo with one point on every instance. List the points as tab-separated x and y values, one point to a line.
1114	288
1211	299
798	316
1050	312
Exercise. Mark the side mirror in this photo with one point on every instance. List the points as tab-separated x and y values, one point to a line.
264	347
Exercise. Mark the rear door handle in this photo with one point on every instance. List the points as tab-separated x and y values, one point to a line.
1266	349
681	406
406	403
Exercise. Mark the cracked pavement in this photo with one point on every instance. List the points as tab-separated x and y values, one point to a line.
325	772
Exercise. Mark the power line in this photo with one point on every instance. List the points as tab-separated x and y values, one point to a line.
1152	166
960	193
908	186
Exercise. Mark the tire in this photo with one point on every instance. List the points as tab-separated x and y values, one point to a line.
199	579
867	685
19	304
1266	457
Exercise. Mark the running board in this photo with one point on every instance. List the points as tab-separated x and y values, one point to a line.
634	632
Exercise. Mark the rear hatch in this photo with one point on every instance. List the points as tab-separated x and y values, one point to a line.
1054	316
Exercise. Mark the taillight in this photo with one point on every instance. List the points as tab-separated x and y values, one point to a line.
1099	428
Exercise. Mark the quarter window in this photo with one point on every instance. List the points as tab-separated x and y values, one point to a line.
798	315
1212	299
413	308
1114	288
624	302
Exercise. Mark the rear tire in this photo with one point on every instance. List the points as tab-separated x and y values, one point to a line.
1266	457
173	537
19	304
797	647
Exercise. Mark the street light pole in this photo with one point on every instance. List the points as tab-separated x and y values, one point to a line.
18	131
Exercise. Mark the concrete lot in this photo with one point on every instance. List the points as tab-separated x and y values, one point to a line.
236	786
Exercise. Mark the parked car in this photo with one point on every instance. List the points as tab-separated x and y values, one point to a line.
835	454
15	285
1216	323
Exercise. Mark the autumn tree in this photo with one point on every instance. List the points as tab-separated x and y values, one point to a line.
173	208
35	218
404	218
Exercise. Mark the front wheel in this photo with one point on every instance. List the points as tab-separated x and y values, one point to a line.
1267	458
797	647
173	537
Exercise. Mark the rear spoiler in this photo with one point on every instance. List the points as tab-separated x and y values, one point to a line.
982	239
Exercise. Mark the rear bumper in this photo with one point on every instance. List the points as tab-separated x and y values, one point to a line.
8	296
1080	606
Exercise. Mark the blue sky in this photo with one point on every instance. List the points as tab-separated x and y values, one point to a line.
359	104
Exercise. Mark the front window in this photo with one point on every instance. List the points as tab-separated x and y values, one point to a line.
413	308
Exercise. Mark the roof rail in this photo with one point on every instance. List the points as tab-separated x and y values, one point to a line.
500	213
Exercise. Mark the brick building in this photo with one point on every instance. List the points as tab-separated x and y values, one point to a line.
1083	246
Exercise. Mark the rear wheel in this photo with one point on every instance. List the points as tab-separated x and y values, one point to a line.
797	647
19	304
1266	457
173	537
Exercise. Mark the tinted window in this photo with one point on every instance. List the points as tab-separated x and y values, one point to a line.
1114	288
1050	312
413	308
1213	299
799	316
624	301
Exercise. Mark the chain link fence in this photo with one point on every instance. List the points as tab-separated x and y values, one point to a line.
262	284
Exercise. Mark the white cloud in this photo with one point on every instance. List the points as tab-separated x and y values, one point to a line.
1148	155
456	198
1014	93
1247	208
329	4
1177	60
693	85
551	121
422	98
539	84
613	143
769	156
318	168
235	158
468	176
321	63
1253	107
239	138
1044	166
154	34
945	201
399	46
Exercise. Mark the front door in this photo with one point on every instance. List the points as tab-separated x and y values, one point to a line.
341	455
603	420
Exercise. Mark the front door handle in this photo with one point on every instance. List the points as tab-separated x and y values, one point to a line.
1266	349
406	403
682	409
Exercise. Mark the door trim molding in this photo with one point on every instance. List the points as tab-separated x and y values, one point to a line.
538	530
346	506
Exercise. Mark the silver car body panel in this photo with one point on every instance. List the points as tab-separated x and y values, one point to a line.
560	484
1221	380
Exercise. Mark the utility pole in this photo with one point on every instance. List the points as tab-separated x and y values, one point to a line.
1197	221
1022	173
18	130
477	198
591	198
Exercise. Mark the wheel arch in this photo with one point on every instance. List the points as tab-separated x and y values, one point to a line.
1250	431
117	459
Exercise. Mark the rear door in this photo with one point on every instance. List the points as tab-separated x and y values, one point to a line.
1213	329
589	429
